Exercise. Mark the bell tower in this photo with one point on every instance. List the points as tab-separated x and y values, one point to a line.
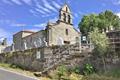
65	14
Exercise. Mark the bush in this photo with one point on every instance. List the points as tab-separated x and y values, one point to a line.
88	69
76	70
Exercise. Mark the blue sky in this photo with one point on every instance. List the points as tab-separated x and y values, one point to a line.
34	14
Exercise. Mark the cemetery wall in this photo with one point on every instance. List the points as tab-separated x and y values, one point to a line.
40	59
47	58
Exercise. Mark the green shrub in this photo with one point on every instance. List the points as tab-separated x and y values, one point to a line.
76	70
88	69
61	71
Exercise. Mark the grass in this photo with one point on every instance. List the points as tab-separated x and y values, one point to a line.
109	75
4	65
17	69
99	77
114	73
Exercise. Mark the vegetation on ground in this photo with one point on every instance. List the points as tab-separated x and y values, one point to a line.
16	68
63	73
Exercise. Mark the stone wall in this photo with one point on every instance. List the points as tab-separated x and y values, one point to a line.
111	62
49	57
24	59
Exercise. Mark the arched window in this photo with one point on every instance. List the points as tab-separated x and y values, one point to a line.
66	9
69	19
64	17
66	31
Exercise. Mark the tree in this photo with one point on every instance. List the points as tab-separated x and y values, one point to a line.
88	22
100	42
110	19
101	21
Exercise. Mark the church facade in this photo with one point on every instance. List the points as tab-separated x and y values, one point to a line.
61	32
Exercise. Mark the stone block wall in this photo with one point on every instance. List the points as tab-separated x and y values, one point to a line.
49	57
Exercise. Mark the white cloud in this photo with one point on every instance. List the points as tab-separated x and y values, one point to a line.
6	21
103	4
34	13
7	2
81	12
56	4
18	25
46	15
29	2
4	33
34	30
44	9
42	25
78	14
1	39
16	2
47	5
54	19
116	2
39	10
68	1
75	15
41	7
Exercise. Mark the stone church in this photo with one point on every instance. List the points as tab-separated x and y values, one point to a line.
61	32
